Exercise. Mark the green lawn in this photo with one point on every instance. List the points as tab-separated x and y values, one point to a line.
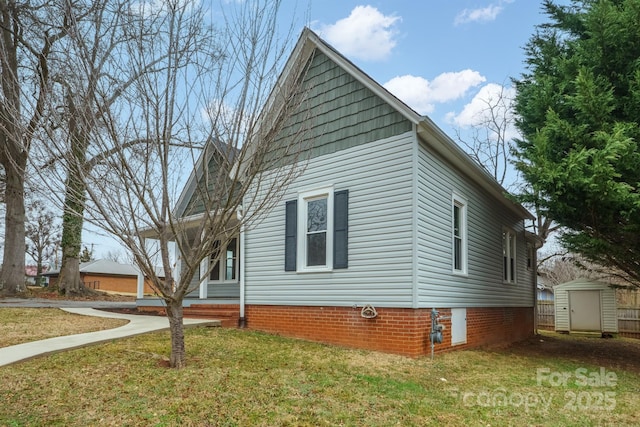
240	378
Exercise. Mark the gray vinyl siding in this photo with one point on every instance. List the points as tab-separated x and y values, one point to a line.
218	290
214	290
379	179
483	285
223	290
339	112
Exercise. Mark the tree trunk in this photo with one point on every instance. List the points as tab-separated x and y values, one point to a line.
12	278
39	278
176	326
69	279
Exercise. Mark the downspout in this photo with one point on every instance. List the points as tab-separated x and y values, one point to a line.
534	268
242	321
536	243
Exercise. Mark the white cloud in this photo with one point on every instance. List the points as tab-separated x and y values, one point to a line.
365	34
483	14
421	94
493	101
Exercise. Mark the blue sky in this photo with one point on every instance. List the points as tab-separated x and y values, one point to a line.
440	57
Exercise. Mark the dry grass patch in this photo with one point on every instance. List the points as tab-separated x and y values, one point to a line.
20	325
246	378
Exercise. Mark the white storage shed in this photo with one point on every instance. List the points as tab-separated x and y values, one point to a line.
585	305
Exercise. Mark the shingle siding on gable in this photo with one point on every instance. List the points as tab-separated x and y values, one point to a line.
482	286
195	204
344	113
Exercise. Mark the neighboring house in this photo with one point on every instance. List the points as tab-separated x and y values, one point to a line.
389	220
545	293
545	289
31	274
106	275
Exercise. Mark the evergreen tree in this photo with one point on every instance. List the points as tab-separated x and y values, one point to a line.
578	107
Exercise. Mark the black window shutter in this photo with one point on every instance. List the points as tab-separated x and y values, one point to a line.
340	228
291	238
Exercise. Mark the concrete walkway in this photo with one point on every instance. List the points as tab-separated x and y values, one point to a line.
137	325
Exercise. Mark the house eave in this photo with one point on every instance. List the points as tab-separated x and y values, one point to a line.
450	151
186	222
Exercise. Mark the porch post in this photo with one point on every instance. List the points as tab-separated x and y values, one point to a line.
204	280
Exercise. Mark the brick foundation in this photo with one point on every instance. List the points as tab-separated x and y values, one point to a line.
394	330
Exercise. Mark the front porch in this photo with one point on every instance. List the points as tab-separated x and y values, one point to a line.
215	288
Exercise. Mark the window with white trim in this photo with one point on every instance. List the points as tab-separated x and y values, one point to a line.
225	263
509	255
315	230
530	255
459	235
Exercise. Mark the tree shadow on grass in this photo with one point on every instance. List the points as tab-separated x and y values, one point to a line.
610	353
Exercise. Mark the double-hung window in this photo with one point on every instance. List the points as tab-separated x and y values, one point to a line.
316	231
509	255
459	235
316	222
530	255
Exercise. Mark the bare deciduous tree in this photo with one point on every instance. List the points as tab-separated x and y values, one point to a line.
200	113
29	31
490	144
97	75
43	235
562	269
118	256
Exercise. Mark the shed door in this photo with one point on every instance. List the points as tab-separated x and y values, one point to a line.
585	310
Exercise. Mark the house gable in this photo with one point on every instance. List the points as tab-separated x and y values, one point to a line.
344	113
215	159
349	108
